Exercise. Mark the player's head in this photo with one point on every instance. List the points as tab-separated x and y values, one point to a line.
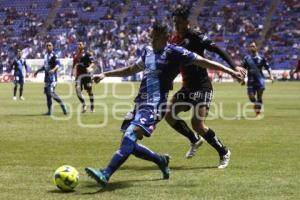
159	35
181	18
252	48
80	46
49	47
19	52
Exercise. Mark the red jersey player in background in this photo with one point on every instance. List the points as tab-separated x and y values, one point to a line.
83	66
196	91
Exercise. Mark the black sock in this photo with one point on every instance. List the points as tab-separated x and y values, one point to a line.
80	97
258	105
15	90
21	90
212	139
92	101
181	127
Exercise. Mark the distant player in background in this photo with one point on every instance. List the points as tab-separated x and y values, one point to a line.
296	71
160	65
17	67
83	65
255	63
51	65
197	91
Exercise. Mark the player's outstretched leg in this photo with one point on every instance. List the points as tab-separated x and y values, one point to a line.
60	102
91	96
181	127
21	92
162	161
198	123
49	104
126	148
259	103
15	92
80	97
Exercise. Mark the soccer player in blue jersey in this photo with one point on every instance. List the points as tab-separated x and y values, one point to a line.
18	74
255	63
51	65
159	63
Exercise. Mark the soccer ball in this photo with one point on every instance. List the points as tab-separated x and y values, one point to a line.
66	178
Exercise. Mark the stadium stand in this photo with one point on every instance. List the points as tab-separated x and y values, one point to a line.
116	30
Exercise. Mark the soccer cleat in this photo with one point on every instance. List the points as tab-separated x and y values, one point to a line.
224	160
84	108
64	109
97	175
14	98
47	113
164	166
92	109
193	148
22	98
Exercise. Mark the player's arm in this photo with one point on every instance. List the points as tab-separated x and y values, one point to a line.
125	71
206	63
211	46
26	68
13	67
268	68
38	71
57	64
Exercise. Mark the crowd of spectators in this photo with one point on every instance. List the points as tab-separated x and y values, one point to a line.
116	31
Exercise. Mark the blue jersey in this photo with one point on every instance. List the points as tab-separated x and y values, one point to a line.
18	65
50	62
255	65
160	69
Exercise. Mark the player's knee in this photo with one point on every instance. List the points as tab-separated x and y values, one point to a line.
170	118
134	133
199	127
252	98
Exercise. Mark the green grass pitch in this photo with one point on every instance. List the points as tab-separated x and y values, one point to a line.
264	164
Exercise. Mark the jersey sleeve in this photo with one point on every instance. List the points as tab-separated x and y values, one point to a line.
205	41
26	66
91	58
244	63
183	56
141	60
266	64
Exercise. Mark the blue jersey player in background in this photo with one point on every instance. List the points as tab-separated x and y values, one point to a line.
255	63
159	64
51	65
18	66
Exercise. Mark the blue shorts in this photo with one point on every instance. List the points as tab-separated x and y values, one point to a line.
255	85
19	80
144	116
49	87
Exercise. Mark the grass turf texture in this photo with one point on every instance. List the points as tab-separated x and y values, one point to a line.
264	164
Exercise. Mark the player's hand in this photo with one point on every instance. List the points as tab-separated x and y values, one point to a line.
272	79
241	70
239	76
98	78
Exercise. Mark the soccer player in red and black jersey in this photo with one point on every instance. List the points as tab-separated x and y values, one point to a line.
83	66
197	91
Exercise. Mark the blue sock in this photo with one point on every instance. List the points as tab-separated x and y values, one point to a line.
126	148
143	152
49	103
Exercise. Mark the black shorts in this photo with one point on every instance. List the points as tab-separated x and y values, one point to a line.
202	97
84	83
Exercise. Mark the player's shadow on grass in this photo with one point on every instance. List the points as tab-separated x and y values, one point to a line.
175	168
116	185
